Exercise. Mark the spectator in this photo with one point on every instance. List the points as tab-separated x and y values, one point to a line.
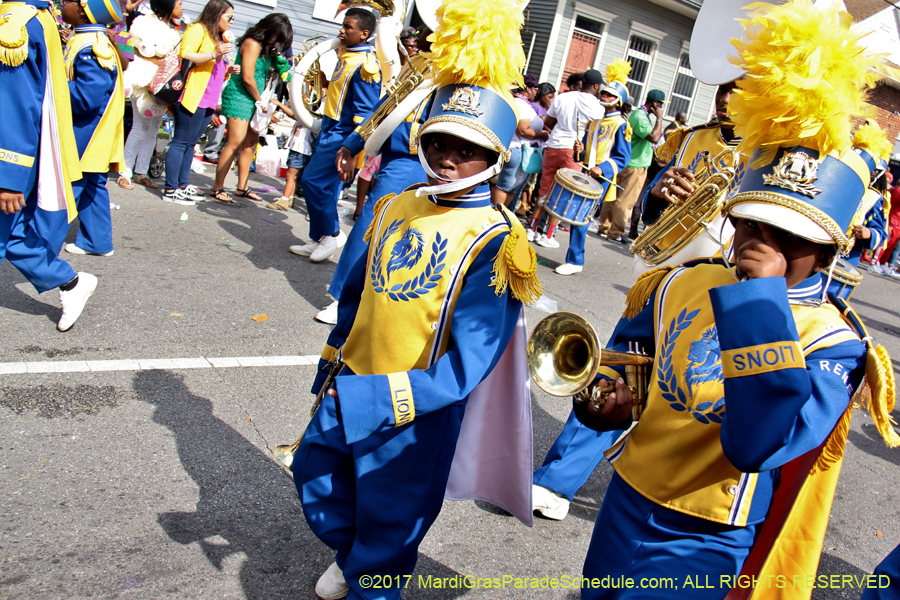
679	122
257	53
408	41
155	35
632	177
543	98
628	106
567	117
204	46
530	127
299	147
574	82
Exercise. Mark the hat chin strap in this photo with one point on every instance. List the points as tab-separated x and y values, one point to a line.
456	185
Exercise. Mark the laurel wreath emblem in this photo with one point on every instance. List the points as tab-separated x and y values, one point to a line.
419	285
667	379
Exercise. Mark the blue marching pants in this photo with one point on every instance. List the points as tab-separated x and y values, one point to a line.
887	581
374	501
30	252
321	185
573	457
684	556
397	172
577	236
95	220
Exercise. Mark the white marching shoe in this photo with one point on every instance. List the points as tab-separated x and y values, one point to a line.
548	503
568	269
546	242
328	245
304	249
74	300
332	585
328	314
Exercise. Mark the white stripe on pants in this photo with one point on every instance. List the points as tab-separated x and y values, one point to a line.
141	142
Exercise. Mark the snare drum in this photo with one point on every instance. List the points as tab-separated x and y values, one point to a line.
573	197
845	279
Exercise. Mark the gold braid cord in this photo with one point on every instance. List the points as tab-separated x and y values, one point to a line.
379	208
515	267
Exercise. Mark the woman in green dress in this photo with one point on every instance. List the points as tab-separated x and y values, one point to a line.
259	51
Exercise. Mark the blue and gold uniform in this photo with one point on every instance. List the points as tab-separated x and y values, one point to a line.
607	145
399	169
38	155
353	90
98	100
421	324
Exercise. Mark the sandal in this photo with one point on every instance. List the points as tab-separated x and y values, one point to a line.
247	194
146	182
125	183
282	203
222	196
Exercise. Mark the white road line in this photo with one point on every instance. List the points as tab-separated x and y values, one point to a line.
145	364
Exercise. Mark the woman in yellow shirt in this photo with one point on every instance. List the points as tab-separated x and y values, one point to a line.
204	45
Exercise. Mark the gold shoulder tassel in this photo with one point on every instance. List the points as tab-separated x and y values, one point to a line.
14	39
515	266
642	289
105	53
370	71
379	208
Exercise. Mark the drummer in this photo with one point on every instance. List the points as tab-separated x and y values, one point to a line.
606	149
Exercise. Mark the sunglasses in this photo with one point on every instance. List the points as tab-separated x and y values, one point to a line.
231	19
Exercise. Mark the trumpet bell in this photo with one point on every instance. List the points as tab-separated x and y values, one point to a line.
284	454
563	354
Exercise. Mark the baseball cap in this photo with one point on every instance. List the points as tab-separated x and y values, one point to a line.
656	95
593	77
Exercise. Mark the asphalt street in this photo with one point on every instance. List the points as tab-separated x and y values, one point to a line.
156	480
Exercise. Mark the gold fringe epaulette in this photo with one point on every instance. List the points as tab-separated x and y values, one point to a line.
14	35
379	208
105	53
515	267
876	393
370	71
642	289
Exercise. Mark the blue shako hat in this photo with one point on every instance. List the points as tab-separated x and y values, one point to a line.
103	12
868	158
474	113
618	90
796	191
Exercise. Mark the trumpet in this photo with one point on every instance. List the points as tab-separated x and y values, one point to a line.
564	356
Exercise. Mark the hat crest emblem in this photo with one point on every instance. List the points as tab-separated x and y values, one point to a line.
465	100
796	171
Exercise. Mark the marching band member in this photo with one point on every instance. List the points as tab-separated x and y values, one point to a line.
354	89
399	168
733	464
38	153
607	150
98	102
454	271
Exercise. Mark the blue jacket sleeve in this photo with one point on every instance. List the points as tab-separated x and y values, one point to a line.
361	99
619	155
92	85
779	404
653	207
481	327
21	96
875	222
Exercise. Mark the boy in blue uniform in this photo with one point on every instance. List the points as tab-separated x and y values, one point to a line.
733	463
423	319
399	168
95	86
38	155
353	90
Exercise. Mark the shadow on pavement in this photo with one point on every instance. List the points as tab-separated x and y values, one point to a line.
831	565
247	504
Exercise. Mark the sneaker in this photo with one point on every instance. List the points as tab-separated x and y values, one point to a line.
622	240
305	249
893	273
876	268
328	314
74	300
530	234
73	249
178	197
328	245
341	239
547	503
332	585
546	242
192	192
568	269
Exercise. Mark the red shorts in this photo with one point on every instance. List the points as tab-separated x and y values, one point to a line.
554	160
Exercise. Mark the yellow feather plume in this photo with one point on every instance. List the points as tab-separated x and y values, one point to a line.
872	138
618	71
478	42
806	73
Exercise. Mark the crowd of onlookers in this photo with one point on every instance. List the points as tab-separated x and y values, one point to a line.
887	260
